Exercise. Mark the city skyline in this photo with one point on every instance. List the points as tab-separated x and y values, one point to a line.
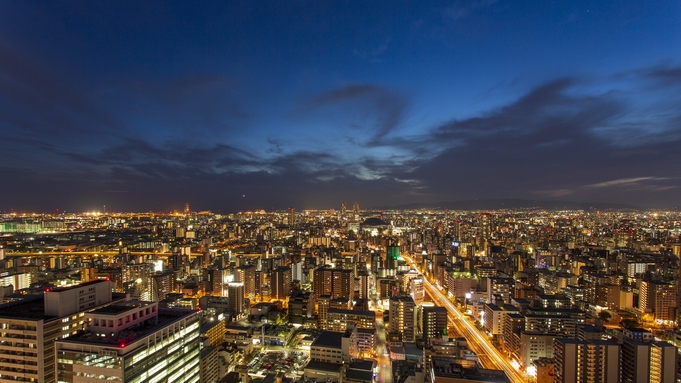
245	106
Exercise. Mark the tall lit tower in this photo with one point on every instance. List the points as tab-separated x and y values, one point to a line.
355	209
291	216
186	208
343	209
235	297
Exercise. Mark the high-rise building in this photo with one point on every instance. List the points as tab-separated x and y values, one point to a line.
301	307
162	284
246	274
291	216
501	288
132	342
362	283
433	323
648	362
513	325
323	303
31	324
235	298
401	317
334	282
338	319
280	283
658	298
577	361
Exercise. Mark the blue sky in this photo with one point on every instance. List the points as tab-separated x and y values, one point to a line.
243	105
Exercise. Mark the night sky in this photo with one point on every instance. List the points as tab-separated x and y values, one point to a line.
263	105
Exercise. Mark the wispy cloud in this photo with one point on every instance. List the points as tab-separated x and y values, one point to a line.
464	9
379	110
625	182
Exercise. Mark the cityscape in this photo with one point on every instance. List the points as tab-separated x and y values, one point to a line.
448	191
341	295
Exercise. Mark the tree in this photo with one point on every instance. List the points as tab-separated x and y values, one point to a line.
605	316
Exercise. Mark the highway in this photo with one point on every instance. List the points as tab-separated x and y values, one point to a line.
489	356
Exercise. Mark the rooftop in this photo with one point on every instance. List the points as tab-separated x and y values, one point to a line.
166	317
328	339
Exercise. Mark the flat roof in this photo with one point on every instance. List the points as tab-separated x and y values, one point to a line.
166	317
78	286
324	366
329	339
362	364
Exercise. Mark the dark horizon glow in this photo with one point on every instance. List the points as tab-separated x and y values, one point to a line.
264	105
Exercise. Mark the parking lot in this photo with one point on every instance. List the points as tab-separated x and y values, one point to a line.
289	362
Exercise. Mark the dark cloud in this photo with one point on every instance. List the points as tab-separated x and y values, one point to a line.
665	73
36	103
554	141
379	109
563	139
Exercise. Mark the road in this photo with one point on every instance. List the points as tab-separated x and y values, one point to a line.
385	373
489	356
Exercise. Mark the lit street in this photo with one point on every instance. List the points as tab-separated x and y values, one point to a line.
476	341
385	373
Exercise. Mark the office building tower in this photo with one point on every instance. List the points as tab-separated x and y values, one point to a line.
648	362
132	342
301	307
162	284
291	216
297	271
433	323
658	298
334	282
362	283
500	289
338	319
577	361
401	317
235	298
280	283
513	325
323	304
31	324
246	274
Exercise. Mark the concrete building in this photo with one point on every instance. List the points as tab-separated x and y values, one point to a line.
577	361
334	282
501	287
456	370
658	298
132	342
433	322
493	318
535	346
338	319
648	362
31	325
235	298
513	325
301	308
335	347
401	317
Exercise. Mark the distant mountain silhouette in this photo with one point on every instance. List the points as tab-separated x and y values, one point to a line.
498	204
